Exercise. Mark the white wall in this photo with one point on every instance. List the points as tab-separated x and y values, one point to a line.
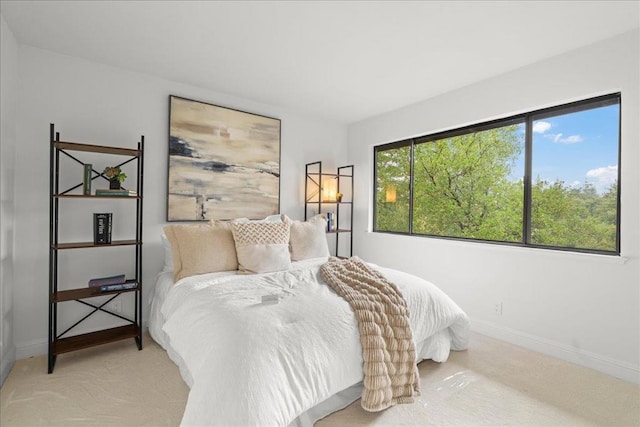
8	107
584	308
93	103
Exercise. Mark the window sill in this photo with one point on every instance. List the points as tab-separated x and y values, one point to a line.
499	247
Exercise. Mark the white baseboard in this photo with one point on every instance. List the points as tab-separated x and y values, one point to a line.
31	349
6	363
607	365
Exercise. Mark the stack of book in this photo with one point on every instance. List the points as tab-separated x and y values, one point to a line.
112	283
119	193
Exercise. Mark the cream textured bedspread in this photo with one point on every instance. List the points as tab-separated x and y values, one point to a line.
389	353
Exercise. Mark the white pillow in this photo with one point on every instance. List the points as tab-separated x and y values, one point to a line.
262	247
309	239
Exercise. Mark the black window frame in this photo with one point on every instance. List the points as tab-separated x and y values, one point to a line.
527	119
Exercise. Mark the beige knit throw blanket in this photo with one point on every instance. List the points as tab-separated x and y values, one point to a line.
390	371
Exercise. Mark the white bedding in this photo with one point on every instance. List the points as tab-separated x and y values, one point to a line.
255	364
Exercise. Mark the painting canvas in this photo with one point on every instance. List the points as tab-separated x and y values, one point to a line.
223	163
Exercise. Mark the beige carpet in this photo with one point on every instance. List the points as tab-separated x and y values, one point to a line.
491	384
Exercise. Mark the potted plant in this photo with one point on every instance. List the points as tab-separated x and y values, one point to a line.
115	175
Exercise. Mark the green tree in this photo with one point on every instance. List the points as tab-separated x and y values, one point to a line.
462	186
573	217
393	168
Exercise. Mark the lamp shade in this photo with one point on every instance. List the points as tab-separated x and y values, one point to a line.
329	189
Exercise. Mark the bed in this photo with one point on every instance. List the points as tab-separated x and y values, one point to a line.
288	361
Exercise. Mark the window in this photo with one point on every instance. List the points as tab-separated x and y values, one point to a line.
547	178
393	185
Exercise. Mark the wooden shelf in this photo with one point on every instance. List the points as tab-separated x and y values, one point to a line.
60	342
92	196
343	209
76	146
77	245
78	342
88	292
334	175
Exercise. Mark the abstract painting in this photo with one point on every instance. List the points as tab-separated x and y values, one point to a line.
223	163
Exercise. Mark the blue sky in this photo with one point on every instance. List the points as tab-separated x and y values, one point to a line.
575	148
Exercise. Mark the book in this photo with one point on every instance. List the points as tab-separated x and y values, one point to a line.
329	221
106	192
86	180
118	287
102	228
111	280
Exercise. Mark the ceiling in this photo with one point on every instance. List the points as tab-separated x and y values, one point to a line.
341	61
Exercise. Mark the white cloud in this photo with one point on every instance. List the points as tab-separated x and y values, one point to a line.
571	139
604	173
541	126
603	177
575	184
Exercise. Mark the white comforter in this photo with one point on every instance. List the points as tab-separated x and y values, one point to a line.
254	364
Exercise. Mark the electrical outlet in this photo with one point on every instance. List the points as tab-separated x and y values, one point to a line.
116	306
497	308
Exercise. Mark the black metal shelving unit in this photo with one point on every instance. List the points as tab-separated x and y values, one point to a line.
314	203
63	342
